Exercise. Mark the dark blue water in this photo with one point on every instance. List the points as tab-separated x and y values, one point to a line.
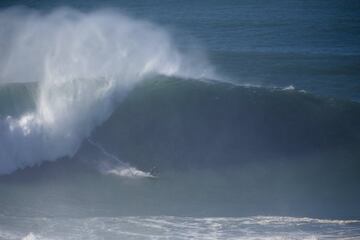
312	45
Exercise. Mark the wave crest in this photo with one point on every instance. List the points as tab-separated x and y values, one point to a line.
84	63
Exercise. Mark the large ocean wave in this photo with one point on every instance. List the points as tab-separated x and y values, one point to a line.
83	64
115	127
109	96
183	123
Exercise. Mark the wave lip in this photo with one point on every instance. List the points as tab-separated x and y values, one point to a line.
84	63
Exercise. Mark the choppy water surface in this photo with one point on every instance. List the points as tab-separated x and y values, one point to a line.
179	228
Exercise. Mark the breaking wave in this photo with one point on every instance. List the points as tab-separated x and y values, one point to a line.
83	64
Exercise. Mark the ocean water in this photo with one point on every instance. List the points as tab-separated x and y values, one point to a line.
179	119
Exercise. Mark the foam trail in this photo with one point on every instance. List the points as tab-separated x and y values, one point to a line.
116	166
85	64
102	149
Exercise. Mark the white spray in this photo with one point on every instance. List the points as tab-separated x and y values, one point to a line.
84	63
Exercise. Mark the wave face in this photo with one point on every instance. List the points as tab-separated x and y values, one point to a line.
204	149
83	64
186	124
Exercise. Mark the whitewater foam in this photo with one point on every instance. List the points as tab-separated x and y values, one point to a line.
85	64
112	165
30	236
171	227
289	88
